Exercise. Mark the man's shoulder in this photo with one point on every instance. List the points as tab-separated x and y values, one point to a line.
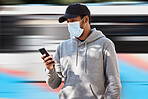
68	41
106	41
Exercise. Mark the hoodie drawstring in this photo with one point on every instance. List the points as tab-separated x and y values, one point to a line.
85	59
77	54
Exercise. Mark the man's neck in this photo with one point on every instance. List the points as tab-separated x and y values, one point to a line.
85	34
81	40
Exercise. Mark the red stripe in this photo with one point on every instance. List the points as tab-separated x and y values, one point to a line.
14	72
135	61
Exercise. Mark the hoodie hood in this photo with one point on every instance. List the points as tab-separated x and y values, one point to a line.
95	35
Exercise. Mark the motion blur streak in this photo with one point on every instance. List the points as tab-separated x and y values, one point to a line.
24	29
131	38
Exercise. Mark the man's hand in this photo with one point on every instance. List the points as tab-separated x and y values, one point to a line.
48	61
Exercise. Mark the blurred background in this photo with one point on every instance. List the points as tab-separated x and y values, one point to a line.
27	25
66	2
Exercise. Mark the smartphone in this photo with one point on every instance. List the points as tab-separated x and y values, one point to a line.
43	51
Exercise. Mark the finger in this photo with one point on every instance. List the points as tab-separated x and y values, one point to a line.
43	56
50	67
51	55
49	62
53	64
47	58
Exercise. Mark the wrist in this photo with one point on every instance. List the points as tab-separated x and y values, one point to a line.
49	71
50	67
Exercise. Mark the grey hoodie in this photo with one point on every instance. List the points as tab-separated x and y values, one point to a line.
89	68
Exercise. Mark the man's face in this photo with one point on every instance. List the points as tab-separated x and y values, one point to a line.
75	20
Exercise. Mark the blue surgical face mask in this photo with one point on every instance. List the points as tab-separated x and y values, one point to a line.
74	29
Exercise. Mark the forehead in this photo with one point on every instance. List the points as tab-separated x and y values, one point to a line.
75	19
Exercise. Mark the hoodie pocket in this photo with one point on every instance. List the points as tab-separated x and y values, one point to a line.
93	91
66	92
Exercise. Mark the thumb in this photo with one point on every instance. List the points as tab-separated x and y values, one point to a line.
51	55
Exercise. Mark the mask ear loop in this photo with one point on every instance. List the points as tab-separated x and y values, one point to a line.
84	22
84	26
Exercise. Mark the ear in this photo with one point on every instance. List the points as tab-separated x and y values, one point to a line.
86	19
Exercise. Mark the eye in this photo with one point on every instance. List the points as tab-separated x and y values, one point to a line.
72	20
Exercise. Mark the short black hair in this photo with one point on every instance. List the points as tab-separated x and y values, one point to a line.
82	16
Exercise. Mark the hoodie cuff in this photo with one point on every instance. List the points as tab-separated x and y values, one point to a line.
49	71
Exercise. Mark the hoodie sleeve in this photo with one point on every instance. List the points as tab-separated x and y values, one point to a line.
113	85
54	77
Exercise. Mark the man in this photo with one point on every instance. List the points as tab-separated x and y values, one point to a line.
87	61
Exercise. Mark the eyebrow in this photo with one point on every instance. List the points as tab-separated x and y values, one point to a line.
73	20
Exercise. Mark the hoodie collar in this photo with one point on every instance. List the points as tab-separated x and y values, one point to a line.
95	34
